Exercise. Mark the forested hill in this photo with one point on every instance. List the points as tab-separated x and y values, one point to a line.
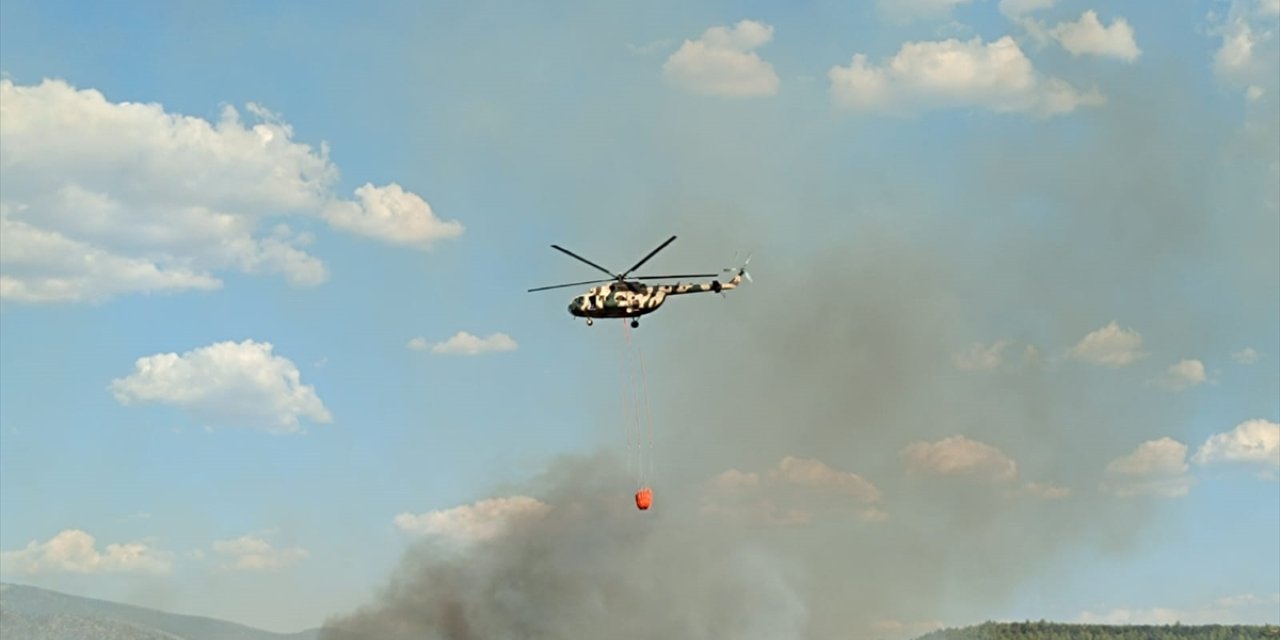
1061	631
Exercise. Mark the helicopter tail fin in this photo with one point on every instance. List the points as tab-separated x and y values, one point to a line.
738	275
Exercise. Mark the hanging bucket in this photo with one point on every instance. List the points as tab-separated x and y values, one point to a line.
644	499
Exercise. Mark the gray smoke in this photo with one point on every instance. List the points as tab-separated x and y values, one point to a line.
867	284
592	567
847	367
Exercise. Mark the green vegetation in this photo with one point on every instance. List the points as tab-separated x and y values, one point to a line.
1060	631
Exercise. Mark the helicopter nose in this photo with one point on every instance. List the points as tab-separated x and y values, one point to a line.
575	305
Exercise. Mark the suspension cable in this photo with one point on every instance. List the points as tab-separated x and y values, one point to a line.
627	403
637	416
648	416
635	403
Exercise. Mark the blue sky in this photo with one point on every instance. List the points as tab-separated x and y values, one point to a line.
1017	272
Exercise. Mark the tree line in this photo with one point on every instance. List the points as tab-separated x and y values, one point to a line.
1062	631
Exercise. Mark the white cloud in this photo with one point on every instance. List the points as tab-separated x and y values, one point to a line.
393	215
952	73
251	553
1252	441
722	63
793	492
1155	615
1045	491
1031	355
1088	36
734	479
46	266
75	551
1246	600
1110	346
1246	355
227	384
815	474
1164	456
981	357
1238	609
800	473
1156	467
1247	57
1019	8
1183	375
1236	52
465	344
960	456
103	199
474	522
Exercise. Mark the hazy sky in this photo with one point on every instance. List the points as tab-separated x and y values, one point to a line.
1012	349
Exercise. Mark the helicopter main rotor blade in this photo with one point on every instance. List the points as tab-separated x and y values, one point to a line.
571	284
685	275
646	258
574	255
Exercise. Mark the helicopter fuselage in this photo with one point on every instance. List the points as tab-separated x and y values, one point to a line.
631	299
618	300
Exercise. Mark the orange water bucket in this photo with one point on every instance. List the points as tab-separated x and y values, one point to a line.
644	498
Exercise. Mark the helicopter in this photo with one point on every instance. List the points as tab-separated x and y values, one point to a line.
622	296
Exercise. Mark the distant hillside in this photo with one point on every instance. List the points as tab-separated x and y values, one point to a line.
63	626
1061	631
28	613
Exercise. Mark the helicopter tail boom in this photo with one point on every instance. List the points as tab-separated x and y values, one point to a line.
715	286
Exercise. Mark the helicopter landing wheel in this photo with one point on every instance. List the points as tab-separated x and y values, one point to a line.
590	322
635	324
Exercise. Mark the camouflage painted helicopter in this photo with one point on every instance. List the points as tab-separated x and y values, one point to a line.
621	296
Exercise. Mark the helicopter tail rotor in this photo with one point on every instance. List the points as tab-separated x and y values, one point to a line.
739	272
